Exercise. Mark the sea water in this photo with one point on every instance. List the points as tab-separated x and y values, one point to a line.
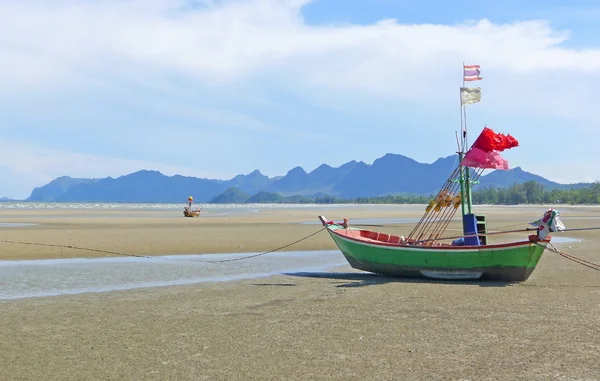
166	210
171	206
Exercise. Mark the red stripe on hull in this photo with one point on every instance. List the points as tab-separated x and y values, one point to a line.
364	236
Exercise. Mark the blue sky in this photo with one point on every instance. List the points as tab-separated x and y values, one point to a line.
217	88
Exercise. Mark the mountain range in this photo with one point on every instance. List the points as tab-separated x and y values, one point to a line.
391	174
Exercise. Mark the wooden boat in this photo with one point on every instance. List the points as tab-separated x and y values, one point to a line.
191	213
394	256
425	252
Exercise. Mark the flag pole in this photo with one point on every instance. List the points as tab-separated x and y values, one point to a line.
462	132
464	112
466	199
461	150
469	219
467	169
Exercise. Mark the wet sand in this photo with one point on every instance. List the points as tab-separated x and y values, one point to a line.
341	325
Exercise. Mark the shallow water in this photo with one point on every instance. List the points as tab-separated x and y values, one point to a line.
37	278
559	239
14	224
53	277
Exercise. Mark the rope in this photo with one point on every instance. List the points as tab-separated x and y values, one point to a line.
266	252
76	248
444	220
502	232
571	257
148	256
476	235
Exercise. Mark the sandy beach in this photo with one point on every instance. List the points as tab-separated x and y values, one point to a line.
338	325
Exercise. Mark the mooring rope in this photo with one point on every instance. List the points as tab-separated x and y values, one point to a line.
75	248
476	235
150	256
571	257
502	232
266	252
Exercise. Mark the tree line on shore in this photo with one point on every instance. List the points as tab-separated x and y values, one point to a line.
530	192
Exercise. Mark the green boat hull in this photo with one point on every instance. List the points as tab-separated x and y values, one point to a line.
508	262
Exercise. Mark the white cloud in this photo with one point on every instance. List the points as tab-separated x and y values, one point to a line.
76	43
238	38
83	47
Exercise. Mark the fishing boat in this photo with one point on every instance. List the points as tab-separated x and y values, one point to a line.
426	252
191	213
188	211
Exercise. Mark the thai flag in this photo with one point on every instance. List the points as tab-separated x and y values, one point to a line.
472	73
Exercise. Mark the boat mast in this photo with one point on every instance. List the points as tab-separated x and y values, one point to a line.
457	189
465	184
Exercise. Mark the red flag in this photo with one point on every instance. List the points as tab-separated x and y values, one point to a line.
512	142
489	141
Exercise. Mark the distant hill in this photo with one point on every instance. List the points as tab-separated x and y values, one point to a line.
391	174
57	188
394	174
251	183
504	179
265	197
275	198
141	186
230	196
322	179
6	199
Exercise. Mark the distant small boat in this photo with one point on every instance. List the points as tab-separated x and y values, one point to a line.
193	213
426	252
188	212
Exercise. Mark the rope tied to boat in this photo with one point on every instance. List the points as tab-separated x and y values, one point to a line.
581	261
75	248
501	232
149	256
266	252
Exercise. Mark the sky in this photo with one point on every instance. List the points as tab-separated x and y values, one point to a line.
216	88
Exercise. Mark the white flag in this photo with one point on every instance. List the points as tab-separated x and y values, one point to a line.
470	95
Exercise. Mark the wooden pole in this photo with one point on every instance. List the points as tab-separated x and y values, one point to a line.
467	188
